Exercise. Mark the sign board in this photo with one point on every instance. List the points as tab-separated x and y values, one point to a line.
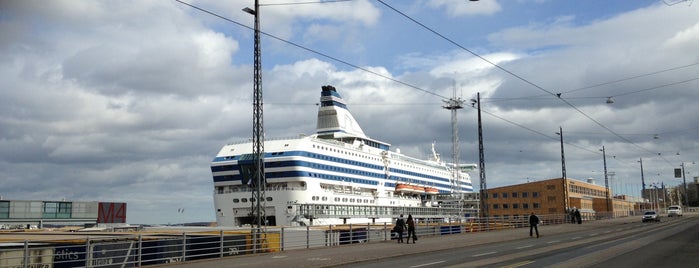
111	213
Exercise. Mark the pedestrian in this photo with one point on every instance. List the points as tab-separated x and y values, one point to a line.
572	215
411	229
578	217
400	226
533	222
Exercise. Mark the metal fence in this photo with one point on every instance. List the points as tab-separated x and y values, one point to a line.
155	247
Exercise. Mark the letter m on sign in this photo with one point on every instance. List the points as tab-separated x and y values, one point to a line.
111	213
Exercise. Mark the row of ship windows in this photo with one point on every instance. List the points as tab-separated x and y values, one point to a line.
245	200
344	199
516	206
371	158
515	194
346	152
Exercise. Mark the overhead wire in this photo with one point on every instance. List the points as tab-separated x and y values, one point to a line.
516	76
314	51
416	87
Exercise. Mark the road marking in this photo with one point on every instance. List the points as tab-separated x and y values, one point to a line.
318	259
594	234
518	264
483	254
525	246
278	257
607	232
551	242
577	237
427	264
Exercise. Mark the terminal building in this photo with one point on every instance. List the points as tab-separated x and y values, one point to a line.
36	213
556	197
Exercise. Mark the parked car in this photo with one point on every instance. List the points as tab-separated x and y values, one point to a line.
674	211
650	216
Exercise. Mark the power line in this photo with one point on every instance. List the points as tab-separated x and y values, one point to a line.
314	51
421	89
632	77
516	76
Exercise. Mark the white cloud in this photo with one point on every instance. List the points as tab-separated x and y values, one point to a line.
460	8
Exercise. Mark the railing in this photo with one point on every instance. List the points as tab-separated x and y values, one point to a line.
158	247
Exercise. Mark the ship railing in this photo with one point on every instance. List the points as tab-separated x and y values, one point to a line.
268	139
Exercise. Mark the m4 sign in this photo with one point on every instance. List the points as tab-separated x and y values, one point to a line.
111	213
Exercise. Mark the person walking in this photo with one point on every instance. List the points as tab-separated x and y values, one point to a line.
400	226
533	222
578	217
411	229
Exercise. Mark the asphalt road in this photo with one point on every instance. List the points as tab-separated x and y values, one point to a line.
671	243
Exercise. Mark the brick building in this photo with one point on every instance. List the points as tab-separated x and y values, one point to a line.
548	197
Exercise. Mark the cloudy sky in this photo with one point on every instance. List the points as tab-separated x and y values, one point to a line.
129	101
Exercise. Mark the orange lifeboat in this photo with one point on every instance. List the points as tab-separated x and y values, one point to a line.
431	190
403	188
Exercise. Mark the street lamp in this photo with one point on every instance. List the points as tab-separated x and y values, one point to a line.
563	171
258	147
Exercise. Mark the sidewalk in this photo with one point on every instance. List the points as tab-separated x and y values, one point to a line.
337	255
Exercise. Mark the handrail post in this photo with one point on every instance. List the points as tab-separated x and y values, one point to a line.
221	244
140	249
184	246
26	254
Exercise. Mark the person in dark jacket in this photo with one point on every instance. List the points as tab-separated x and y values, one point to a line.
411	229
578	217
400	226
533	222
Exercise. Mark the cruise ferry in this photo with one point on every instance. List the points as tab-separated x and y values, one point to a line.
336	176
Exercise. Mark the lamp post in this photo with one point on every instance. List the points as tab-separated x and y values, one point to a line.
606	180
258	150
563	171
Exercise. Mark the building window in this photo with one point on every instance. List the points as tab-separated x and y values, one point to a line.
525	205
525	194
535	194
515	206
505	206
495	195
514	194
536	205
504	195
496	206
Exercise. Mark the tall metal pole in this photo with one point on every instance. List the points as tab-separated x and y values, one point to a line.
606	180
684	181
454	104
563	171
481	162
643	181
258	150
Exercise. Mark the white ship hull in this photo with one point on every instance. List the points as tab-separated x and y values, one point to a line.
335	176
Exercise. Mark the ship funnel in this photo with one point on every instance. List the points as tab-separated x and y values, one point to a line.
333	116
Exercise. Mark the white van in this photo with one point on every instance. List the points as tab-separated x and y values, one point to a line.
674	211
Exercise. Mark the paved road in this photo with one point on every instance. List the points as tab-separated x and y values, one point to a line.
360	255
